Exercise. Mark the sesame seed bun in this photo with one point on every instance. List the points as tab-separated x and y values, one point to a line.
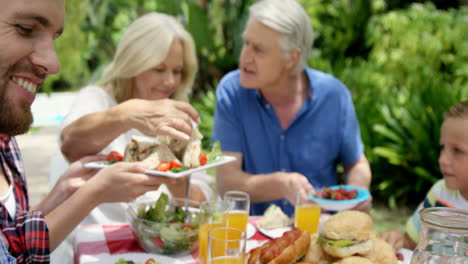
348	225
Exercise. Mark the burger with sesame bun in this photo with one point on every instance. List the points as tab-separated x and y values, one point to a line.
347	233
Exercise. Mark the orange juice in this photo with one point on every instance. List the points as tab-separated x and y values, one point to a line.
227	260
203	240
237	219
307	217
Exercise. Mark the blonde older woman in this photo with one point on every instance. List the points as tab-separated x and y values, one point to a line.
143	92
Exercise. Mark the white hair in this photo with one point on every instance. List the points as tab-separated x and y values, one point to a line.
144	45
290	19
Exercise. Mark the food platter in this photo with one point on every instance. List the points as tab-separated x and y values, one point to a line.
337	205
220	161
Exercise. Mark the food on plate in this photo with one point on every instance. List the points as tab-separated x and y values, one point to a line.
347	233
315	254
123	261
354	260
381	252
287	249
336	194
166	227
273	218
347	238
168	154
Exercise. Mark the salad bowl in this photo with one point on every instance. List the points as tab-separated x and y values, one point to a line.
167	227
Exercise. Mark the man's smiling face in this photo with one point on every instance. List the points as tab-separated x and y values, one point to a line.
28	29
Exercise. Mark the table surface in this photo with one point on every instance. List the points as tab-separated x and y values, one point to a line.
104	243
95	243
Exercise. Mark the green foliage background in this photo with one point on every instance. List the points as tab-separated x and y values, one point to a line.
405	64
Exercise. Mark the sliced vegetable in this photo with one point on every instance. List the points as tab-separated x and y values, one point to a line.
174	164
164	166
335	243
215	153
203	159
114	156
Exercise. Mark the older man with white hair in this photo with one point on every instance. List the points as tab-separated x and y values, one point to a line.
288	125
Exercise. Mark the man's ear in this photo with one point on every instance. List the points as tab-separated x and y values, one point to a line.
293	59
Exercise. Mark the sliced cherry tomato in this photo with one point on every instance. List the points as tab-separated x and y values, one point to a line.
158	242
202	159
175	164
151	261
114	156
164	166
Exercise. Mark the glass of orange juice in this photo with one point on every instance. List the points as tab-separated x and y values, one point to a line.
226	246
213	217
237	209
306	215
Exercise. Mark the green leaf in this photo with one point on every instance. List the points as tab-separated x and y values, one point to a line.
198	26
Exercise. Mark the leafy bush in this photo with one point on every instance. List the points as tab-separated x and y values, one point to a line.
415	70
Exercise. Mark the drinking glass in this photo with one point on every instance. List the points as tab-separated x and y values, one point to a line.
237	209
306	215
213	217
226	246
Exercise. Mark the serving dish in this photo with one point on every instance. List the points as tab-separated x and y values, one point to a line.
337	205
218	162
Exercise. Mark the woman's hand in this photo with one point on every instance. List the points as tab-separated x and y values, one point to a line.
160	117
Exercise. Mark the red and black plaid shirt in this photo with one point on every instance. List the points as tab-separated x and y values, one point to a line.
26	235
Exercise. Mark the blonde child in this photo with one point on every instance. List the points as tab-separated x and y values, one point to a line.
452	190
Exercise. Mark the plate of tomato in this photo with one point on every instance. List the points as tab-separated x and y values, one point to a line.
339	197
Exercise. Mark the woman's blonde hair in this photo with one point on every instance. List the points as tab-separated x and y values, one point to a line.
144	45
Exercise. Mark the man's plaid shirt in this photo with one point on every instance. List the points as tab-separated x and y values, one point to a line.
26	235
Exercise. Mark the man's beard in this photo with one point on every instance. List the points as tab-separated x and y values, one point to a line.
13	122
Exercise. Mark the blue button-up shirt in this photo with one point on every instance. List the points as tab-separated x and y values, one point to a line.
324	132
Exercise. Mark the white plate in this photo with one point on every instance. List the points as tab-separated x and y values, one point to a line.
221	161
274	233
278	232
140	258
250	230
407	254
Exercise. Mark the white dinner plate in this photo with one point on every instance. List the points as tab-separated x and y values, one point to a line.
278	232
274	233
139	258
407	254
221	161
250	230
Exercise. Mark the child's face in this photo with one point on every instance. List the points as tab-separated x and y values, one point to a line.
453	158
